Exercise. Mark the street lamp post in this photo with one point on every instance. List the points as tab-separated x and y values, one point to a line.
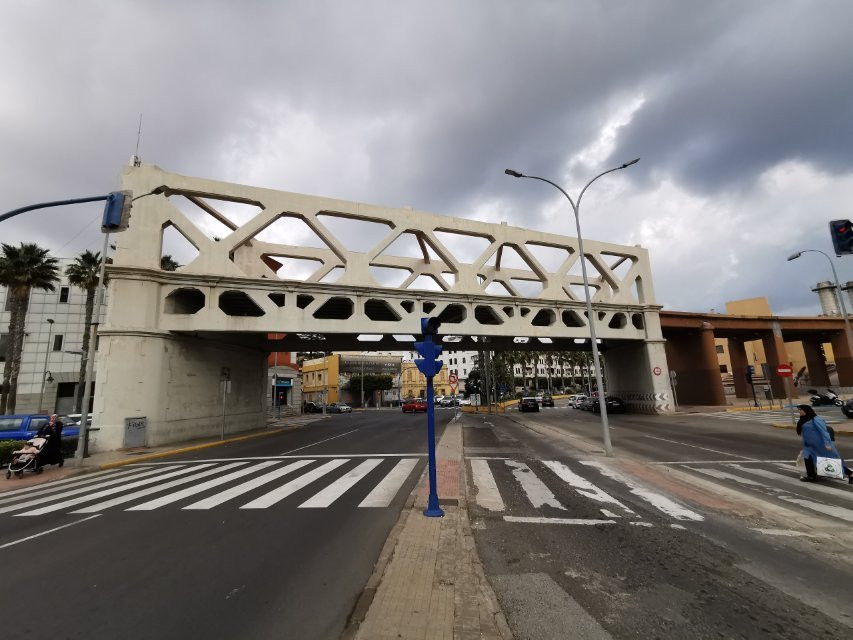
46	354
602	401
840	294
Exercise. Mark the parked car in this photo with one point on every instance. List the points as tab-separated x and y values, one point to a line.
343	407
586	403
24	427
547	400
614	405
415	405
450	401
539	397
576	400
528	403
312	407
438	399
847	408
465	402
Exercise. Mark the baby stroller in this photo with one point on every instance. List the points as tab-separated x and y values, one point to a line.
36	453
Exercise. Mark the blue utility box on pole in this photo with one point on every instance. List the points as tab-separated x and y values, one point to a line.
429	366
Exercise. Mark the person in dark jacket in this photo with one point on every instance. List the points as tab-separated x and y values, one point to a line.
52	430
816	443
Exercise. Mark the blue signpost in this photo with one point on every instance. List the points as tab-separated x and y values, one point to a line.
430	367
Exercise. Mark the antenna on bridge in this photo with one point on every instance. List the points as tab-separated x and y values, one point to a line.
135	160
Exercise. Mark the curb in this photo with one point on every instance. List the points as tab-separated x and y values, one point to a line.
785	425
197	447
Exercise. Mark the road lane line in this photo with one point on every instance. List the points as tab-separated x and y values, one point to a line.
240	489
716	461
488	495
340	486
661	502
582	485
279	494
44	533
320	442
787	533
60	485
695	446
302	457
79	490
94	508
722	475
387	489
579	521
106	492
808	487
538	494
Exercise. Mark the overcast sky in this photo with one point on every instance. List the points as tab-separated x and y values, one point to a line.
742	113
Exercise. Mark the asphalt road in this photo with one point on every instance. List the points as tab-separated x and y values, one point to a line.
259	564
698	528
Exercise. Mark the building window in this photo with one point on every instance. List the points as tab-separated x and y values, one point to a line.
57	343
720	349
463	360
63	293
4	344
724	368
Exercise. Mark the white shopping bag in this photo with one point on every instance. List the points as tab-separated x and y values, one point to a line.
829	468
801	464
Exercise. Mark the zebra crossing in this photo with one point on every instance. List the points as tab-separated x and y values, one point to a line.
766	416
539	489
253	484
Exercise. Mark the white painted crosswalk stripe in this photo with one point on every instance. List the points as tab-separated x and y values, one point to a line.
78	490
384	492
488	495
537	492
130	497
582	485
340	486
111	491
89	478
246	487
790	481
279	494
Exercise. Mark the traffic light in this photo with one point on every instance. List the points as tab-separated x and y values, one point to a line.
842	236
117	212
427	349
750	371
429	326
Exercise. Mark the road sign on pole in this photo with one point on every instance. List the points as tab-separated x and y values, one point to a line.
785	370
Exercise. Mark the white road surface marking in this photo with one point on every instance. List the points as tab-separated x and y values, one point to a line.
240	489
488	495
668	506
694	446
89	478
579	521
582	485
384	492
808	487
314	444
44	533
836	512
538	494
787	533
340	486
279	494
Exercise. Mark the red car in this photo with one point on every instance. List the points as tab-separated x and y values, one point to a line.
414	405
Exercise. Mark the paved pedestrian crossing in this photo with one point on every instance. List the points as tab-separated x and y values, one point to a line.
252	484
767	416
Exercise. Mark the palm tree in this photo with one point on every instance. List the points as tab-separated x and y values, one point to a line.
167	263
22	269
84	273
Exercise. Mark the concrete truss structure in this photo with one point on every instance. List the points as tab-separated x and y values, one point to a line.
511	287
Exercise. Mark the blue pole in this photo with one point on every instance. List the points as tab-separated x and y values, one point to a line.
55	203
432	510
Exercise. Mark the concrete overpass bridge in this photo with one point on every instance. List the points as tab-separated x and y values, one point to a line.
171	337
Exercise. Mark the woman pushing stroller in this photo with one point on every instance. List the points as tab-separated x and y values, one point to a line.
44	448
817	442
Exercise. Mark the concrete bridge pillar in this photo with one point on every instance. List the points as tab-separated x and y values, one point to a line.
776	354
638	373
841	348
693	355
816	363
737	354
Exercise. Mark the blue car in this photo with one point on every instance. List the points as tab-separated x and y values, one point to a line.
24	427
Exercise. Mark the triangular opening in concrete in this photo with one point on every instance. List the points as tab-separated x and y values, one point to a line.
426	282
407	246
551	258
620	265
291	230
354	234
299	269
527	288
389	276
498	288
176	250
465	248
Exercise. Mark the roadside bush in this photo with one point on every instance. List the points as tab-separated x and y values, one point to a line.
69	448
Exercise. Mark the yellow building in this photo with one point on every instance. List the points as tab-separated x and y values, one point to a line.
414	382
320	379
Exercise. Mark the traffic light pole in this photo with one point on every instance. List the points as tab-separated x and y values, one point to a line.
430	367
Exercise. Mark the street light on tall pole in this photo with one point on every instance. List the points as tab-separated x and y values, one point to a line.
838	290
46	354
602	401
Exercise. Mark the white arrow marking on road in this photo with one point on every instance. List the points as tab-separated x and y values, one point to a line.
340	486
79	490
384	492
582	485
277	495
668	506
488	495
254	483
538	494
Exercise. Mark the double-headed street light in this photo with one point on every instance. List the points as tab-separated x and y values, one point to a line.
838	290
602	401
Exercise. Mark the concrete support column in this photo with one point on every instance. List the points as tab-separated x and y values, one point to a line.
693	355
816	363
737	355
631	375
843	359
776	354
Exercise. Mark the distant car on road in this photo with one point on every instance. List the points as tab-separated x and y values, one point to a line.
415	405
576	400
614	405
847	408
339	407
528	404
547	400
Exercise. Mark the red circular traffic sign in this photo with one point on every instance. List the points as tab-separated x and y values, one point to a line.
453	378
657	371
785	370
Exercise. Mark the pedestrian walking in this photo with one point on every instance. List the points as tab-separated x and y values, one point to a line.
817	442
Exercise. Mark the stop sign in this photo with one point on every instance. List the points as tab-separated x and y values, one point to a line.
785	370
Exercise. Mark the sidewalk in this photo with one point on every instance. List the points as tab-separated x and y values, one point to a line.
121	457
428	583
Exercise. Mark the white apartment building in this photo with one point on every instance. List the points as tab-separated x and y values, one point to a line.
51	352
